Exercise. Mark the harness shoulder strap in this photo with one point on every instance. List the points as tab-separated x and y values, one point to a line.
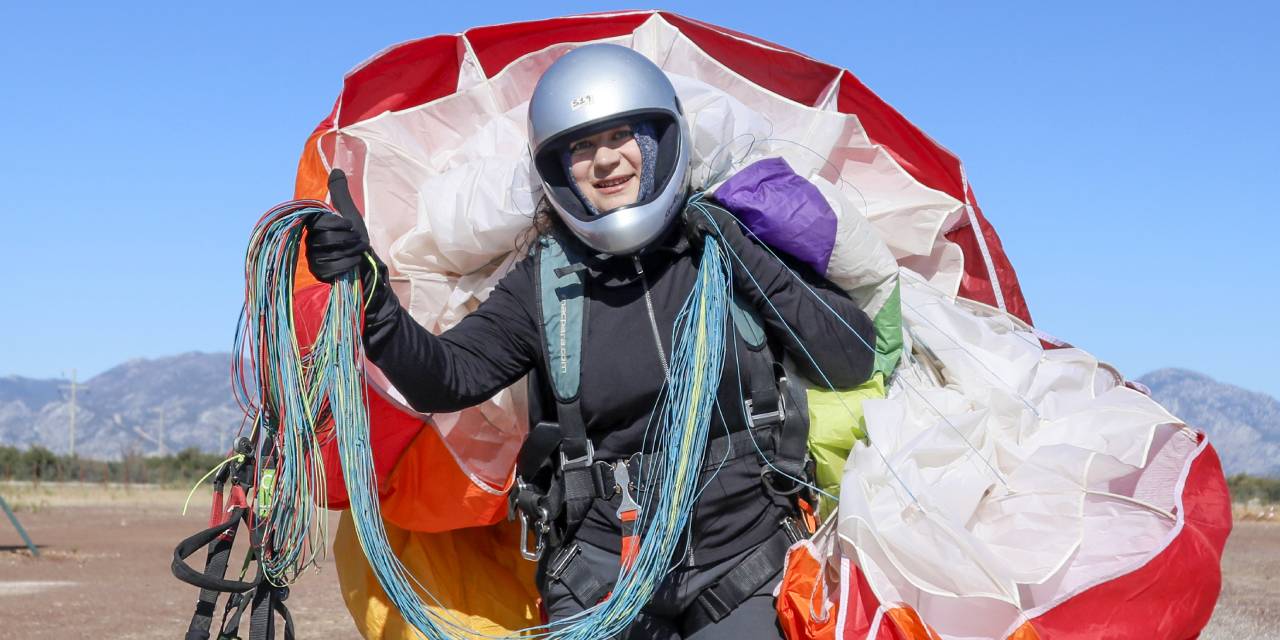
773	398
562	301
748	324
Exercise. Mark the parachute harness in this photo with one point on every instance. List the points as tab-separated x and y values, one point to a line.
292	394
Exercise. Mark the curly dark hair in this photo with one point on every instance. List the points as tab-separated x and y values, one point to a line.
545	221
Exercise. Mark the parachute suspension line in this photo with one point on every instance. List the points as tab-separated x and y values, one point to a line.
285	393
723	173
699	202
999	476
754	141
234	458
671	471
959	345
292	394
987	462
918	280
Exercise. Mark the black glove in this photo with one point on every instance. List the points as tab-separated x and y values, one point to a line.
725	226
337	244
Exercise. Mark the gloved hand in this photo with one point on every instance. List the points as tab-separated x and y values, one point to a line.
334	247
697	225
337	244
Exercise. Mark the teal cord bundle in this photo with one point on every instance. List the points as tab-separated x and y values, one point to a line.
287	393
291	393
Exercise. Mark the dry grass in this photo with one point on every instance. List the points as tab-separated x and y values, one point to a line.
33	497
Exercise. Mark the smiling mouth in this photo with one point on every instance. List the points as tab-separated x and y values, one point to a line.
612	185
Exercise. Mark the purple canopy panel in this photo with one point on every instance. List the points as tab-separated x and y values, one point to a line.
783	210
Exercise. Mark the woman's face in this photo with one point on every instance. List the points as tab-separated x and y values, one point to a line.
606	166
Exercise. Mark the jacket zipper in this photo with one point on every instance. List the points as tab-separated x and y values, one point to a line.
662	357
653	319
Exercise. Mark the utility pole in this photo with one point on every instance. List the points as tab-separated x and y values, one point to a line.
160	432
73	413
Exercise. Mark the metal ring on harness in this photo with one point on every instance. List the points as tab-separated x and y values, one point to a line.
767	476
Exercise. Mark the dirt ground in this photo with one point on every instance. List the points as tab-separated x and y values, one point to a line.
104	572
1249	606
105	554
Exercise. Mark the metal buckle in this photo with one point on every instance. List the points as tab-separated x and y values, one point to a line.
584	461
560	561
765	419
622	477
793	530
541	526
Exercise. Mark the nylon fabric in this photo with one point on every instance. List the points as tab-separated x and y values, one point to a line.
472	571
670	614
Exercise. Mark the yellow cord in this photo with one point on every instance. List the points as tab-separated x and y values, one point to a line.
239	457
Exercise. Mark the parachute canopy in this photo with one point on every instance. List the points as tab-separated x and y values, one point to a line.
1010	488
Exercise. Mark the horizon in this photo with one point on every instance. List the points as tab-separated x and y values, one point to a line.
1122	153
85	379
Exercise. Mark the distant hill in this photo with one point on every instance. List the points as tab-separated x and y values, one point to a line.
167	404
1243	425
149	407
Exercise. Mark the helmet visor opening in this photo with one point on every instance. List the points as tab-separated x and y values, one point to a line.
547	161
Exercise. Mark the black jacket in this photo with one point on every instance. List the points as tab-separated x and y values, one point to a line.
499	342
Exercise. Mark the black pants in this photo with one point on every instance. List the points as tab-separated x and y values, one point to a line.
671	614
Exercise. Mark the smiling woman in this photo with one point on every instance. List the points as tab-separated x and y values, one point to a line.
608	168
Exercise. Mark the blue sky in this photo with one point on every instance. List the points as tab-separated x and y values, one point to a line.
1126	153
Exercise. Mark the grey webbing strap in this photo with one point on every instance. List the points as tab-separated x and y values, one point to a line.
793	438
773	399
267	602
262	625
562	299
719	600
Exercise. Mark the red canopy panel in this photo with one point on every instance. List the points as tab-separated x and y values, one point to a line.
405	75
417	72
500	45
778	69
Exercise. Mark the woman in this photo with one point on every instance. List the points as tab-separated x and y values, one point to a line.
611	146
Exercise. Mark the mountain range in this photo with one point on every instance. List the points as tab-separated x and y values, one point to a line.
144	406
163	405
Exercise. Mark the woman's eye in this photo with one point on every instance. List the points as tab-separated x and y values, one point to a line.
622	135
581	145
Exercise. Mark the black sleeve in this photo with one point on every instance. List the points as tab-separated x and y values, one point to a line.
487	351
829	346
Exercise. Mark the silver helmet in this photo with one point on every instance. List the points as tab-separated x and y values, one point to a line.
591	89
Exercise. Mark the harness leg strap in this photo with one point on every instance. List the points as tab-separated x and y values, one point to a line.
719	600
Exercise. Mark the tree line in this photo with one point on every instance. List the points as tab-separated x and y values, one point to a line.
39	464
1245	488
